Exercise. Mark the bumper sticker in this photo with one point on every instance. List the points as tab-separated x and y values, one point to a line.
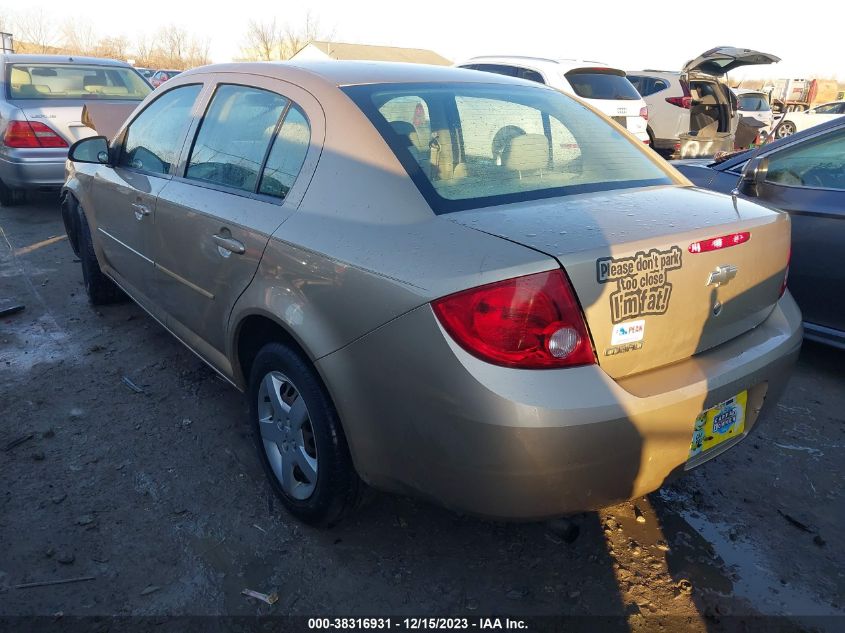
629	332
642	285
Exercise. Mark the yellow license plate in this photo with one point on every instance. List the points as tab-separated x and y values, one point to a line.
718	424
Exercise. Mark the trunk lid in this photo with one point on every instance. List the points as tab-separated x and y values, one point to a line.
64	116
648	297
723	59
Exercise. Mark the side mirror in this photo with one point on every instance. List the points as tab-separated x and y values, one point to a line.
753	176
90	150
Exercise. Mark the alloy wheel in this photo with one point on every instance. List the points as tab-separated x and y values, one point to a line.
287	435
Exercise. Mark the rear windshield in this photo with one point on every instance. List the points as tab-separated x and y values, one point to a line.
476	145
75	81
601	84
753	103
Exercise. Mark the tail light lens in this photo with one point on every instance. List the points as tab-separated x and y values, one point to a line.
785	274
531	322
684	101
644	112
681	102
26	134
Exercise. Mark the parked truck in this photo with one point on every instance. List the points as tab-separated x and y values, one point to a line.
790	95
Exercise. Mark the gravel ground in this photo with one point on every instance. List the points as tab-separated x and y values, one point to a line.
136	467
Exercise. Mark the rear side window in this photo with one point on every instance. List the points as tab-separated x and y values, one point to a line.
509	71
234	136
287	155
648	85
494	144
75	81
597	83
154	139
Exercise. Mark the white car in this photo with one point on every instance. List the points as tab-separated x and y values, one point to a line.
691	113
605	88
755	104
793	122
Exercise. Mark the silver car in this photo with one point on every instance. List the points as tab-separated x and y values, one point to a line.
41	100
457	284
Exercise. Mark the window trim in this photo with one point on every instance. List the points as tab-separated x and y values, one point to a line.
242	193
119	143
360	95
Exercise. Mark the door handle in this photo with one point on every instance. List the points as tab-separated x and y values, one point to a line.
141	210
229	244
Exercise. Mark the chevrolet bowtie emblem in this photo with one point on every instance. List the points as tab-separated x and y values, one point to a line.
722	275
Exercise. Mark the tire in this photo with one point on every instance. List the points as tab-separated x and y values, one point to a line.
303	448
101	290
786	128
10	197
650	139
70	219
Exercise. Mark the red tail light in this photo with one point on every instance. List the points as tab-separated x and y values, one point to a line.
531	322
26	134
644	112
681	102
785	274
718	243
684	101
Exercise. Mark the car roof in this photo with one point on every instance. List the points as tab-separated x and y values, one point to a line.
743	91
19	58
562	65
786	140
348	73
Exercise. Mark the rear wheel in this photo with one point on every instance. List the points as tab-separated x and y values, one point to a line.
785	129
10	197
101	290
299	438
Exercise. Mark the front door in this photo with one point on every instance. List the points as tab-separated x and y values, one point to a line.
807	179
125	196
213	222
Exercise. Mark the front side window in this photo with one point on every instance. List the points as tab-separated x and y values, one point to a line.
154	139
86	82
494	144
234	136
819	164
830	108
287	155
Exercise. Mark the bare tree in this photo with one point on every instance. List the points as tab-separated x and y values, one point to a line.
263	41
295	37
78	37
271	40
36	29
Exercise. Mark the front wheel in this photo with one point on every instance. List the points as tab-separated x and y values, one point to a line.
299	438
785	129
100	289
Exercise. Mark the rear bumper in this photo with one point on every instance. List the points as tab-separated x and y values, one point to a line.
32	169
423	416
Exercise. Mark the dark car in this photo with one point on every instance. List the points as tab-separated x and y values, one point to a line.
803	174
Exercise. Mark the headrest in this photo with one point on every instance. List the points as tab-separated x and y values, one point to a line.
526	152
407	131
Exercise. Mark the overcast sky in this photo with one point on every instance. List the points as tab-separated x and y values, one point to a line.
630	34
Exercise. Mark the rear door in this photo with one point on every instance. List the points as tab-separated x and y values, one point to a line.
124	197
807	179
236	186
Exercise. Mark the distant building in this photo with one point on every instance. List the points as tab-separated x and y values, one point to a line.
320	50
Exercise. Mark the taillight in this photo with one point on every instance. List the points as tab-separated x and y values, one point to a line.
785	274
684	101
530	322
26	134
681	102
644	112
